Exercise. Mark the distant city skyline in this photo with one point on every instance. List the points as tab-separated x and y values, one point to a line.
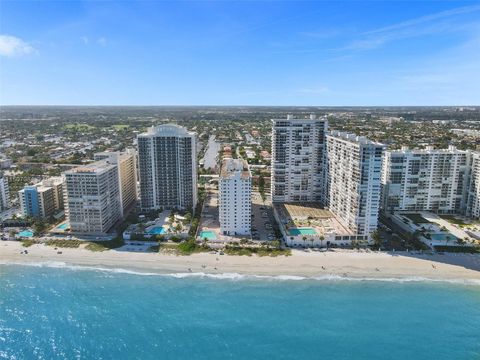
240	53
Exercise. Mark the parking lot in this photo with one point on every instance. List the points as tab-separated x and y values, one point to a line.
263	221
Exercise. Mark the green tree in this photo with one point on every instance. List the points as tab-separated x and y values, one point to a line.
377	239
321	240
178	228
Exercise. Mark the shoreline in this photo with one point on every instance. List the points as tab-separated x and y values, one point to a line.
339	264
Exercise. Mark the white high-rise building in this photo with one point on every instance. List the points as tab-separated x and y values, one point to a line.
127	175
92	194
473	194
298	159
235	200
167	160
426	179
4	193
354	166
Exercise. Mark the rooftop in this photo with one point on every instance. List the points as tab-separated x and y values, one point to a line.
428	150
230	167
96	167
324	221
312	117
167	130
353	138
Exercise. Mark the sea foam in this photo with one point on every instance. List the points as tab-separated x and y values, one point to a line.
238	277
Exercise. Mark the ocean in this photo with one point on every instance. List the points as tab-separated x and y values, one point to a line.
65	312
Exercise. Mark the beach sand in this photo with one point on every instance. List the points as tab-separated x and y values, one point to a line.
338	263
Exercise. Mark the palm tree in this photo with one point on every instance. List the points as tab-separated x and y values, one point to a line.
447	239
304	241
178	228
321	238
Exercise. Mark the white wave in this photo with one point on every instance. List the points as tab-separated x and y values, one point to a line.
237	276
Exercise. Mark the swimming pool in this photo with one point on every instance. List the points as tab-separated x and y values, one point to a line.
302	231
209	235
443	237
25	233
157	230
63	226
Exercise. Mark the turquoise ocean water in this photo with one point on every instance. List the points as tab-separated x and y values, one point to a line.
74	313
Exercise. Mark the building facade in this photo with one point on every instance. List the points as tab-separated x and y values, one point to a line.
92	193
354	166
167	161
473	195
426	179
43	199
127	175
4	193
298	159
37	201
235	198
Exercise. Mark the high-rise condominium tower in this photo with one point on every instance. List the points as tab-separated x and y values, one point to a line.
127	175
473	193
235	197
425	179
93	197
298	171
3	193
354	169
167	161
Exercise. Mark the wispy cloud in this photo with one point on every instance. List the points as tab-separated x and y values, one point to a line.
426	19
102	41
11	46
441	22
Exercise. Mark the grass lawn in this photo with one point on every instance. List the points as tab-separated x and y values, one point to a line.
120	126
417	218
105	245
259	251
63	243
28	242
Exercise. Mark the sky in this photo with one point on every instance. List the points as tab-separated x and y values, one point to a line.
315	53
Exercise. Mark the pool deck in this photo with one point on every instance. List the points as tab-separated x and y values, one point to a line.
454	230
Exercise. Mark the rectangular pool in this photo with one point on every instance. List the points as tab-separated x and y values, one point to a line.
209	235
302	231
63	226
25	233
157	230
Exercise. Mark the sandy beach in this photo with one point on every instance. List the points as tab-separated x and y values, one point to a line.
340	263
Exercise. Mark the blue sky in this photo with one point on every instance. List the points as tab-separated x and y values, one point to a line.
240	53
